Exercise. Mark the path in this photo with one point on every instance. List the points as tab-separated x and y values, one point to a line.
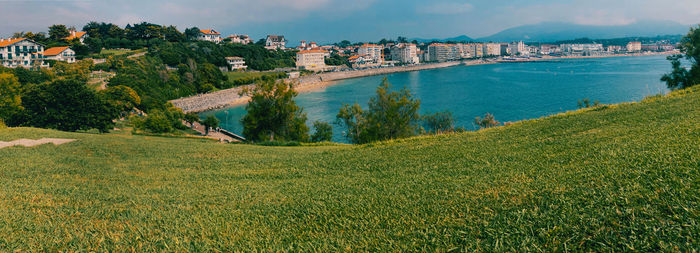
32	143
213	133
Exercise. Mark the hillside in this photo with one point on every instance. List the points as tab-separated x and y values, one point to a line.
556	31
616	178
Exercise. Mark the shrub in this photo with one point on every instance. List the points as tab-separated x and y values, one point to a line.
273	114
322	132
488	121
209	123
439	122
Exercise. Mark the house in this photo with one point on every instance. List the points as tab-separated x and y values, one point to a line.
549	49
236	63
363	61
312	59
60	54
634	46
21	52
273	42
77	35
210	35
405	53
239	39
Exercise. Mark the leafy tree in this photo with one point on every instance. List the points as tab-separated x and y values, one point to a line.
391	115
209	123
58	32
439	122
157	122
193	33
68	105
322	132
10	99
273	114
191	118
487	121
122	97
17	35
344	43
337	60
682	77
402	40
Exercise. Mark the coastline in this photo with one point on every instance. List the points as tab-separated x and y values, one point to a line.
317	82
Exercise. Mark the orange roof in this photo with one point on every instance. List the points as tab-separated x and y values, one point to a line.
210	32
354	57
8	42
75	35
369	45
312	51
54	51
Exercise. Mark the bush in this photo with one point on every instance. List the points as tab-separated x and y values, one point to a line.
488	121
439	122
273	114
209	123
322	132
157	122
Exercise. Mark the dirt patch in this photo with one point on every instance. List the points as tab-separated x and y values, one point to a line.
32	143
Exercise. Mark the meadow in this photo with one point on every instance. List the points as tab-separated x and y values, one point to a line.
612	178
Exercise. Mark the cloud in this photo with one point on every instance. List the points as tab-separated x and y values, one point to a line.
445	8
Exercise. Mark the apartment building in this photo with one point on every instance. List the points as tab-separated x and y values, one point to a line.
405	53
312	59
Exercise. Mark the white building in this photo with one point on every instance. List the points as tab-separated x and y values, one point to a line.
60	54
440	52
363	61
210	35
518	48
634	46
76	35
21	52
240	39
491	49
312	59
405	53
582	49
275	42
371	51
473	50
236	63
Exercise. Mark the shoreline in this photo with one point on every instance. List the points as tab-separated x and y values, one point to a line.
313	83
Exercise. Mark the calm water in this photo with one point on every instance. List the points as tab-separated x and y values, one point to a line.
511	91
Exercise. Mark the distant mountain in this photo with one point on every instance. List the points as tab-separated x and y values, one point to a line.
456	39
556	31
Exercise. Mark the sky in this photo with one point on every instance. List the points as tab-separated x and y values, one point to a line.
334	20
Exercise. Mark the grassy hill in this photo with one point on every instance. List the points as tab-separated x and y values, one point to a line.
616	178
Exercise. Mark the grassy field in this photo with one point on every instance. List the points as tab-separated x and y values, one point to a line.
617	178
241	78
116	52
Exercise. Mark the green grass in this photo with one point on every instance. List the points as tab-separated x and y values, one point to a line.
116	52
615	178
240	78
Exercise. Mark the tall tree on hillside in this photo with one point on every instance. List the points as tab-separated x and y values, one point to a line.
273	114
682	77
10	100
192	34
58	32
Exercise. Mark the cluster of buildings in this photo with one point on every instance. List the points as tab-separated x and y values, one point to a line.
26	53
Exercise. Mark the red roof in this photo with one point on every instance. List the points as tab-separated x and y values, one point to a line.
54	51
312	51
5	43
75	35
210	32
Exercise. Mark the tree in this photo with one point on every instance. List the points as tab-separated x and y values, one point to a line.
439	122
192	118
402	40
488	121
58	32
193	33
209	123
682	77
10	99
273	114
323	132
68	105
391	115
122	97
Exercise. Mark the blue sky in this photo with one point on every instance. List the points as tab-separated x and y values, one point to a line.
334	20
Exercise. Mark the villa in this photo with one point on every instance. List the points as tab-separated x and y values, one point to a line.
312	59
60	54
76	35
240	39
210	35
21	52
273	42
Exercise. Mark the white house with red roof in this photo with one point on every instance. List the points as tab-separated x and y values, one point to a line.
76	35
21	52
60	54
210	35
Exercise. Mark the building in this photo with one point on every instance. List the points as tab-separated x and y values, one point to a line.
518	48
239	39
491	49
440	52
310	46
363	61
76	35
651	47
405	53
634	46
273	42
312	59
371	51
614	49
582	49
236	63
210	35
473	50
21	52
549	49
60	54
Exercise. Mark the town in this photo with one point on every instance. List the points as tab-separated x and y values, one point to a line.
310	56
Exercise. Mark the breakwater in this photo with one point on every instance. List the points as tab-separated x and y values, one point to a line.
232	97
